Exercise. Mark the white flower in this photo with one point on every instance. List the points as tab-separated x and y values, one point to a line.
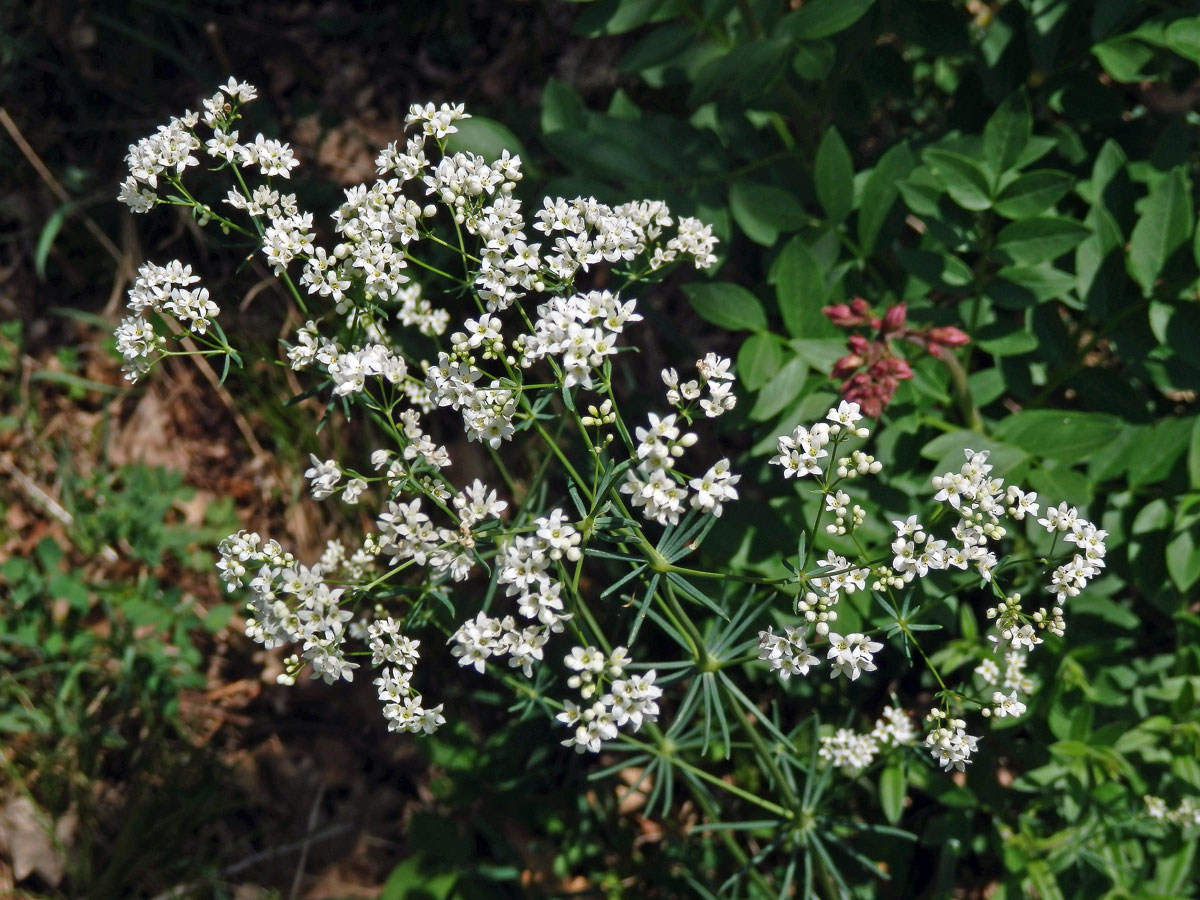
852	654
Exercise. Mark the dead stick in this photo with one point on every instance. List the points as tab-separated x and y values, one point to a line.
57	189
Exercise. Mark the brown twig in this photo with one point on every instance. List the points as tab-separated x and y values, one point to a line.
55	188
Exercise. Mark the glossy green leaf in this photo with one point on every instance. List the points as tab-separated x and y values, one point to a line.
616	18
879	194
1058	434
938	269
1007	132
1183	558
727	305
1032	241
834	176
1156	457
1123	58
1194	456
961	177
1183	36
1162	228
814	60
1002	339
1042	282
891	792
486	137
562	108
659	46
822	18
762	211
1033	193
800	290
781	390
947	451
758	359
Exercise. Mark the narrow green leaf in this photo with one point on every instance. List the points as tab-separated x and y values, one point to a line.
1033	193
879	194
1032	241
727	305
1164	225
45	241
961	177
1007	132
834	176
891	792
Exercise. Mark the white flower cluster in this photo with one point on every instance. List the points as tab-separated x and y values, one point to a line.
290	603
788	653
525	568
823	592
852	654
402	705
948	741
579	330
478	640
361	288
629	700
1185	815
1019	630
1016	682
653	485
714	375
838	503
1015	678
167	150
163	289
1072	577
407	532
800	452
851	751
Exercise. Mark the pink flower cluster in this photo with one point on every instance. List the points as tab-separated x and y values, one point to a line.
872	370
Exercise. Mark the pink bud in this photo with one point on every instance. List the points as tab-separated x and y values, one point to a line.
840	315
949	336
893	319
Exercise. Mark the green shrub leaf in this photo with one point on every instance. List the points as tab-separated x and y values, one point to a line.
1031	241
800	290
962	178
762	211
879	194
759	358
1007	132
727	306
1033	193
1164	225
834	176
822	18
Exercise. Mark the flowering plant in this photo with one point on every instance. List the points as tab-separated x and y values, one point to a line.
442	316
